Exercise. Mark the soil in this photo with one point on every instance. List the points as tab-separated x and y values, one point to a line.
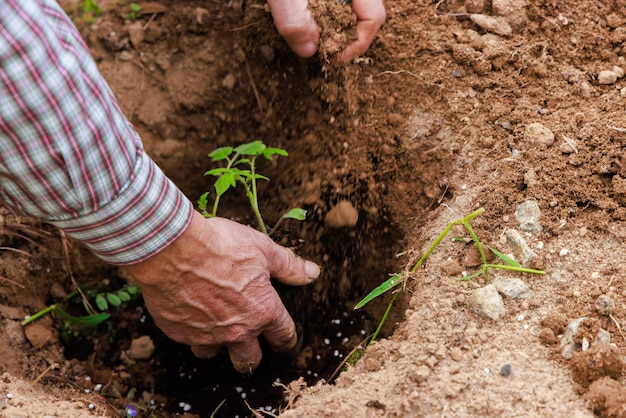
447	112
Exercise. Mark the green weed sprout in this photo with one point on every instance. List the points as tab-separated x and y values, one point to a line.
90	6
399	278
102	301
134	11
241	166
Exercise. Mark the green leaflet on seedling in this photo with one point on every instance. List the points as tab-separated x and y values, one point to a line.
124	296
504	257
387	285
252	148
221	153
113	299
225	182
203	201
83	321
268	152
101	302
298	214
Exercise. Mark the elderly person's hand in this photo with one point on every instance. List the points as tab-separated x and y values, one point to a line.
211	289
295	23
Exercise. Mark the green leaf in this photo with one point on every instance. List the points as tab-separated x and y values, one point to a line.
296	213
242	173
268	152
218	171
101	302
252	148
113	299
221	153
124	296
260	176
83	321
133	289
89	6
135	7
504	257
471	276
225	182
384	287
203	201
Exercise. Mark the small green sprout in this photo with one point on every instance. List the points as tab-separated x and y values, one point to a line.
90	7
241	166
102	301
134	11
401	278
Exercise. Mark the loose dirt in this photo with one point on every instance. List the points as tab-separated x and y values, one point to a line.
457	105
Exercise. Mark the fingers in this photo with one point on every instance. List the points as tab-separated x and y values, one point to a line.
371	15
288	268
281	334
204	351
296	25
245	356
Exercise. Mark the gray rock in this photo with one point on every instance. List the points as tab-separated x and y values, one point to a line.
486	301
529	215
605	305
603	337
607	77
512	288
568	344
520	248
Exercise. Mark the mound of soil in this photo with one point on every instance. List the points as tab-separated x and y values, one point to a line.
513	106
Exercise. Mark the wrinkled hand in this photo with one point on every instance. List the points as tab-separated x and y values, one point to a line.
211	289
295	23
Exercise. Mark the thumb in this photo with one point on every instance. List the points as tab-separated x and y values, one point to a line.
288	268
294	22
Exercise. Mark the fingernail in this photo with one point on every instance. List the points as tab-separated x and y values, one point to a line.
311	270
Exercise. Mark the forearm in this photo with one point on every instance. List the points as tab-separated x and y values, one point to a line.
68	155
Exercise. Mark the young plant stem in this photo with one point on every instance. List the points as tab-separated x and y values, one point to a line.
39	314
441	236
470	231
384	318
253	196
513	268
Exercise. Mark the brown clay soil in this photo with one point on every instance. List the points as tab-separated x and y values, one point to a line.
446	113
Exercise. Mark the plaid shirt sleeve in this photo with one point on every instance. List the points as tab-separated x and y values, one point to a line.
68	155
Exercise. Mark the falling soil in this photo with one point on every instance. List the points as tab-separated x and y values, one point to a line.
457	105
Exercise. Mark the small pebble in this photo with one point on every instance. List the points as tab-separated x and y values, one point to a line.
607	77
563	252
605	305
584	346
505	370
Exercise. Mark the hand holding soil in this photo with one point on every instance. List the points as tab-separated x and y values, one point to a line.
211	289
295	23
370	15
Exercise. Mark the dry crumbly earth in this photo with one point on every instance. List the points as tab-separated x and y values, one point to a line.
446	113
